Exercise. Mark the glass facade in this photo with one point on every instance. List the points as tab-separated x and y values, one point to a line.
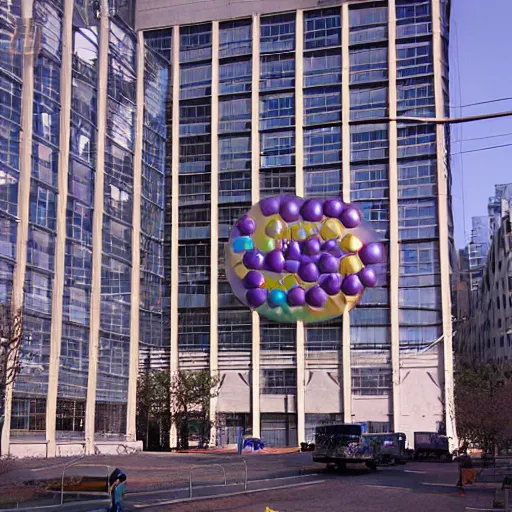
29	405
342	140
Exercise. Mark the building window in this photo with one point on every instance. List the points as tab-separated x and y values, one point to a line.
279	382
277	111
322	105
322	28
322	68
70	415
368	65
322	145
277	72
417	219
326	337
235	38
277	149
322	182
369	182
235	330
194	329
235	76
28	414
371	381
277	33
368	103
368	25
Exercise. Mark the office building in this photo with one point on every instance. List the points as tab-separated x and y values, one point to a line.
484	332
82	178
274	97
244	100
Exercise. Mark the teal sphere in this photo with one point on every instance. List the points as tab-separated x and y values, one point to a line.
276	298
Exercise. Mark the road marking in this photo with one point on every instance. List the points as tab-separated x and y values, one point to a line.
388	487
414	471
485	509
435	484
160	491
225	495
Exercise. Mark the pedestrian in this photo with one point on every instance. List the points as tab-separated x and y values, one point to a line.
467	474
117	489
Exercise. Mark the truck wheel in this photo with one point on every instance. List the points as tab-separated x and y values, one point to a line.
341	467
371	465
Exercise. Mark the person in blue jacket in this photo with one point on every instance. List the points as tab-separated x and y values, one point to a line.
117	483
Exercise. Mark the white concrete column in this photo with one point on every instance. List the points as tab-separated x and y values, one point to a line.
27	109
131	409
345	148
214	229
394	248
443	218
60	243
255	197
175	185
299	190
97	228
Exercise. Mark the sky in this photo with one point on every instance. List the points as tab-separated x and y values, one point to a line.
480	70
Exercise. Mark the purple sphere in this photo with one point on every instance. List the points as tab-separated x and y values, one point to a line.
256	297
293	251
328	263
368	277
312	210
331	283
274	261
270	205
311	246
351	285
296	297
246	225
292	266
290	208
308	272
253	260
372	253
316	297
253	279
331	246
315	258
333	208
350	217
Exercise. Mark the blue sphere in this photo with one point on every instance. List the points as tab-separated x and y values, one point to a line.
276	298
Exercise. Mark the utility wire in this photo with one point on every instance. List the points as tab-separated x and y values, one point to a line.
434	120
481	138
497	100
482	149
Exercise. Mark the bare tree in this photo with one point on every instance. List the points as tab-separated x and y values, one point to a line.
11	338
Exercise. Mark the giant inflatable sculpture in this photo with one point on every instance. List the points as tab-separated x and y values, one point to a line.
293	259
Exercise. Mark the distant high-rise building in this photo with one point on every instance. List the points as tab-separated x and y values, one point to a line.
484	333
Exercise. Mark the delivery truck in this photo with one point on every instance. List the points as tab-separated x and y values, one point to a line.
340	444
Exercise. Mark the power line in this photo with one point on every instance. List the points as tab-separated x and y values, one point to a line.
481	138
482	149
434	120
496	100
